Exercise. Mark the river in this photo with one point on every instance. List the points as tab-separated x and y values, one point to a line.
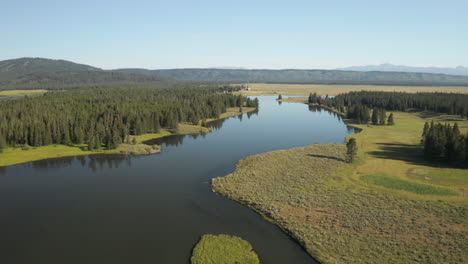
153	209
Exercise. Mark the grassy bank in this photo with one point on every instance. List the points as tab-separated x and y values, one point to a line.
223	249
323	89
390	206
12	156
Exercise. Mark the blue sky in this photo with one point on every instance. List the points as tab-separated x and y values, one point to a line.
253	34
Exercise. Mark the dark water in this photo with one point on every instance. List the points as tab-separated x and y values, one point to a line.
152	209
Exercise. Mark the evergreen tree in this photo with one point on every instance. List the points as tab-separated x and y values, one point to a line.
375	116
390	120
105	116
425	132
351	150
382	116
3	143
280	97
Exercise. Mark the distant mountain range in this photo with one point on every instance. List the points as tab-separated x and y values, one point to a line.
460	70
47	73
305	76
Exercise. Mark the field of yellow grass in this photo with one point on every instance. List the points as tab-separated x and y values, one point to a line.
323	89
16	93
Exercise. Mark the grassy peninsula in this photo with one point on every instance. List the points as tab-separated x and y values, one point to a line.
390	206
223	249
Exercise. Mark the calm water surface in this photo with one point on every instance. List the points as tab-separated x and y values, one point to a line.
152	209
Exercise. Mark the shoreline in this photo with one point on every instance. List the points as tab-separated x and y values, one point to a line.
350	175
10	155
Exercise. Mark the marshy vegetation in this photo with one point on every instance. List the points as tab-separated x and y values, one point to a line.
389	206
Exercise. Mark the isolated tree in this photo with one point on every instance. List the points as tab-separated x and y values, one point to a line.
351	150
375	116
382	116
390	120
280	97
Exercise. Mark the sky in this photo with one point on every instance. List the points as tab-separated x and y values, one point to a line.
259	34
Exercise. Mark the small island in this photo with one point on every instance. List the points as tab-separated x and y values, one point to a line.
223	249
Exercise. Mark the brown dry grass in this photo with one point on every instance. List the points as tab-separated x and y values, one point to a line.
305	191
323	89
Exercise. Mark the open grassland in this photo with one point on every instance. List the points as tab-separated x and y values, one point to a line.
223	249
11	156
395	151
409	186
323	89
390	206
18	93
295	99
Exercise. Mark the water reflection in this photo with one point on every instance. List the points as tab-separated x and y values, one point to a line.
94	162
176	140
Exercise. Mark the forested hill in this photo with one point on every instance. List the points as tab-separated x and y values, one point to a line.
31	65
61	80
306	76
35	73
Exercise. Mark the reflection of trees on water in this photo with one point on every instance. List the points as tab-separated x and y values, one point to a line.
176	140
216	124
2	170
280	103
94	162
315	108
249	114
173	140
53	163
110	161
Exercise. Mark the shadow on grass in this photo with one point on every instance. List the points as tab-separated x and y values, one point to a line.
433	115
325	157
411	153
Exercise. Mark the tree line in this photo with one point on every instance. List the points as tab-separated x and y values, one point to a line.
358	105
105	117
445	143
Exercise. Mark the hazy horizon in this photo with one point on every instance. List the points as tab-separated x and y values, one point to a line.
259	35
